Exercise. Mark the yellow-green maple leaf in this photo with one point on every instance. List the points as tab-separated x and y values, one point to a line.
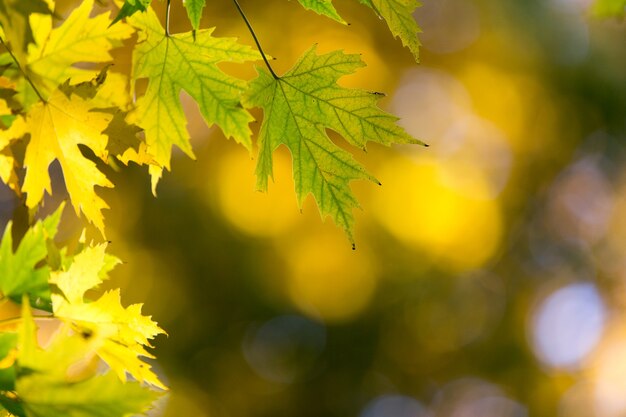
397	13
123	333
56	128
323	7
16	129
47	387
8	173
176	62
80	38
399	17
298	107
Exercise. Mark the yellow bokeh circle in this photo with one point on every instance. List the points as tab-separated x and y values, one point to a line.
456	222
328	280
254	212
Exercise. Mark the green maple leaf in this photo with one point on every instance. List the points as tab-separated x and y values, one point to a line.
399	17
45	387
323	7
19	271
130	7
298	107
397	13
176	62
194	11
8	354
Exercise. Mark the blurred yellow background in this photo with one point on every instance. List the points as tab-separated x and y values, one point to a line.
489	278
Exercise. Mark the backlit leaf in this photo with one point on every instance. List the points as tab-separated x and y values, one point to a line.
176	62
298	107
14	20
48	386
194	11
121	333
323	7
20	273
80	38
56	129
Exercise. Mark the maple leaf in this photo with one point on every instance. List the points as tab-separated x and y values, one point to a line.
14	20
397	13
399	17
56	128
45	387
176	62
20	272
15	129
122	332
298	107
79	39
8	355
8	172
194	12
323	7
130	7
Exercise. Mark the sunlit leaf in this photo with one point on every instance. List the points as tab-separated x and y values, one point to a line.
14	20
194	11
122	333
176	62
80	38
56	128
46	388
130	7
20	272
399	17
298	107
323	7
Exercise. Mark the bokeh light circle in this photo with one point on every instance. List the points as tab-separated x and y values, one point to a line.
567	325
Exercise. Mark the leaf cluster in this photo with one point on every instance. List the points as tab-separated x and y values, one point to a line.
61	102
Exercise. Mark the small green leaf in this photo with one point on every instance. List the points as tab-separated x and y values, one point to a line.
194	11
298	108
399	17
19	271
397	13
8	343
130	7
323	7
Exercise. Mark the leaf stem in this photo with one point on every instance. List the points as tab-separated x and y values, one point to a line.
256	40
167	19
22	70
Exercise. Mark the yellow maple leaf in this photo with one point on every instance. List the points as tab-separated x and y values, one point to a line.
8	174
121	333
56	128
80	38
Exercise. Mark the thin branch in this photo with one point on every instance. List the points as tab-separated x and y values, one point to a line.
256	40
22	70
167	19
